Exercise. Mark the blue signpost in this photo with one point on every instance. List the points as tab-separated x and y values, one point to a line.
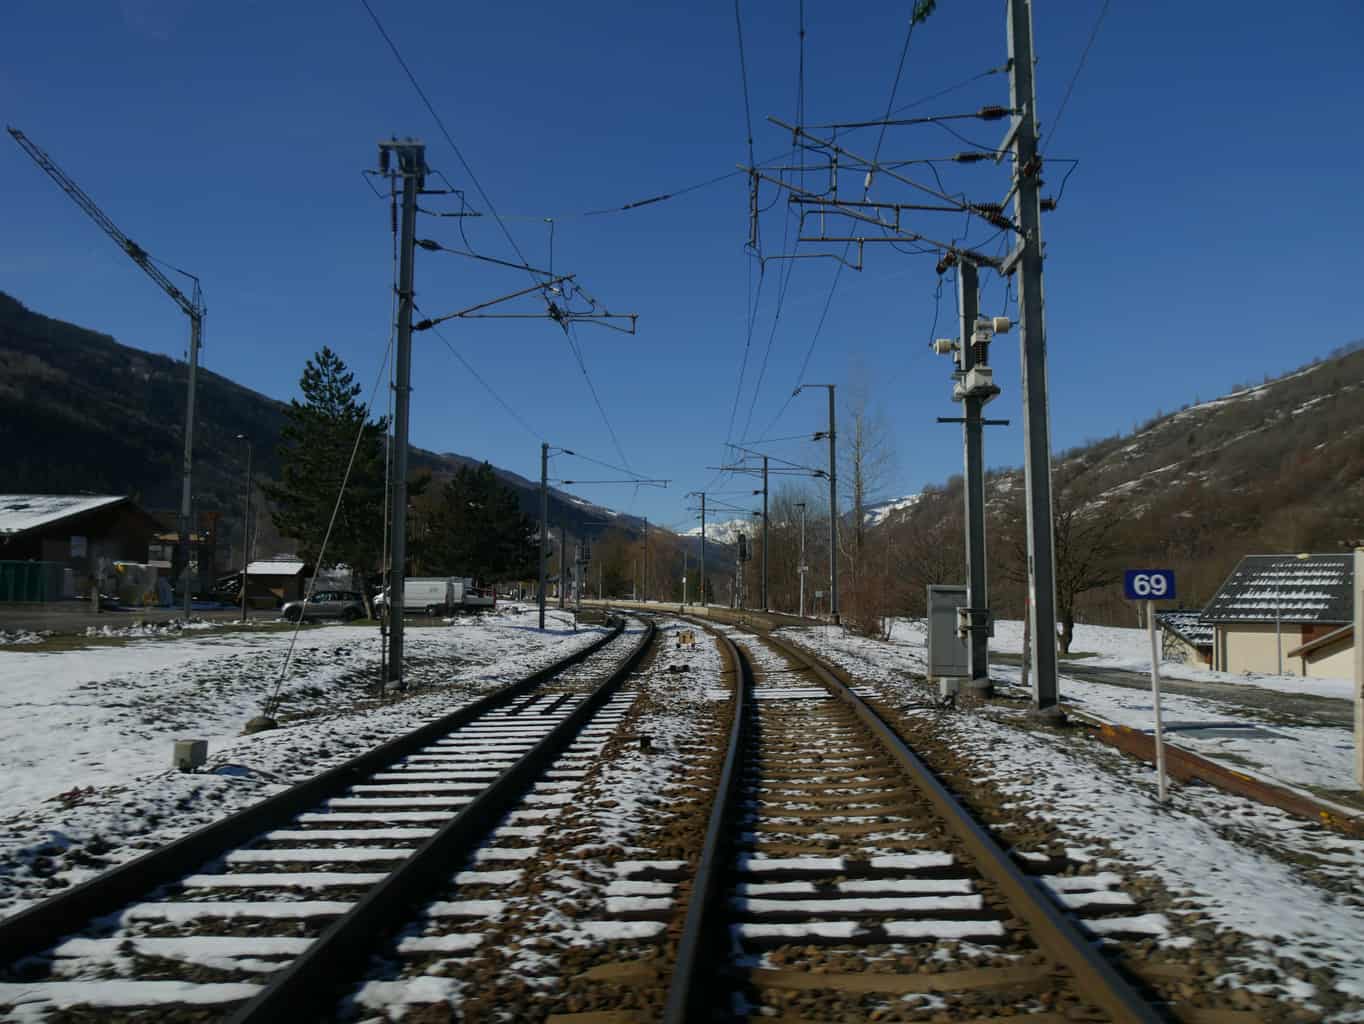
1152	585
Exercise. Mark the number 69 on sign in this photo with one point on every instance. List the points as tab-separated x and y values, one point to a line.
1148	584
1151	585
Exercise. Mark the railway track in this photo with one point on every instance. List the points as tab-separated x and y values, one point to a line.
777	854
853	886
260	916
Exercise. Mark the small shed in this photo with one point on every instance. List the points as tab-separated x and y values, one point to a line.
1271	605
1327	657
1185	637
74	534
275	580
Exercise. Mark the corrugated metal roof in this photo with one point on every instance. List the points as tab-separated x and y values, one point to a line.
1187	624
20	513
1293	588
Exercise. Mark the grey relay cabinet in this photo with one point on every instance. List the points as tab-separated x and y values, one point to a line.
947	644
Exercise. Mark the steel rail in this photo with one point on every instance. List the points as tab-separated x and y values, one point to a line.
700	908
38	927
342	949
1091	974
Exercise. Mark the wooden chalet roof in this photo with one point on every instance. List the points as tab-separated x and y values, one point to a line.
1294	588
20	513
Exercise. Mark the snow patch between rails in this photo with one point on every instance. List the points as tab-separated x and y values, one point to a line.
32	1002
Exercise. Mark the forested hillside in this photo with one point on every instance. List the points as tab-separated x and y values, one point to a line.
1274	467
81	412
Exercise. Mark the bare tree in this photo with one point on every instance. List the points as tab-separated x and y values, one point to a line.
1088	541
866	459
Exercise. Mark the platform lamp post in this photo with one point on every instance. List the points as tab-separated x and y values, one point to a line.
246	521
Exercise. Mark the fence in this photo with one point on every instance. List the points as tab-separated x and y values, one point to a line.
31	581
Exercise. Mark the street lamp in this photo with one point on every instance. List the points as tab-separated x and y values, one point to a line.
246	521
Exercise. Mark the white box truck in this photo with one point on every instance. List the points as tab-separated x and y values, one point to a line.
428	596
441	595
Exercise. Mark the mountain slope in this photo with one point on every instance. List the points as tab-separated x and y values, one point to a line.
1274	467
81	412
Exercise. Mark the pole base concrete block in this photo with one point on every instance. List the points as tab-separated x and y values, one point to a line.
189	754
981	688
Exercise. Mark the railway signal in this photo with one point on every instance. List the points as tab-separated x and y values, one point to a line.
1151	585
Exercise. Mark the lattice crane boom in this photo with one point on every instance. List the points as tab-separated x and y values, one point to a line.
193	307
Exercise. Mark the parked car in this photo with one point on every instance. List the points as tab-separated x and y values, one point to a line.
327	604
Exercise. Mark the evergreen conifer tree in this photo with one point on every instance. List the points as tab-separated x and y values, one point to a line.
479	530
315	448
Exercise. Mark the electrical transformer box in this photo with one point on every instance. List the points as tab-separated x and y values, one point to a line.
947	647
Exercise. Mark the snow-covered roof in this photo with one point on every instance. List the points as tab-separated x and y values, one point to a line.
1293	588
275	567
1187	625
20	513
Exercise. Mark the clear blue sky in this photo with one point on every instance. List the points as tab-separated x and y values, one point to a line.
1209	236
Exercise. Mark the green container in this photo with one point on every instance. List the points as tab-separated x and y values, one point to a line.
30	581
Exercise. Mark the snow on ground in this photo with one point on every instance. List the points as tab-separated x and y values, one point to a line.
1307	756
86	735
1130	650
1301	756
1289	884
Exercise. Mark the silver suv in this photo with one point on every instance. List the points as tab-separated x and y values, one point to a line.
327	604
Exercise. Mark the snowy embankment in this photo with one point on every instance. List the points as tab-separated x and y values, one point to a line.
1306	756
1288	887
1130	650
86	735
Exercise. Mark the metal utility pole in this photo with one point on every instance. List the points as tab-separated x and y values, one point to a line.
196	326
703	549
578	577
739	579
802	567
1027	258
544	524
833	499
1358	585
412	170
766	604
193	307
563	568
646	560
246	521
977	598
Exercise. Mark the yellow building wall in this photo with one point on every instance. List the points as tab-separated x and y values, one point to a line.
1334	662
1252	648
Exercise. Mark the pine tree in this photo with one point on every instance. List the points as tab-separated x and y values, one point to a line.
315	448
478	529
